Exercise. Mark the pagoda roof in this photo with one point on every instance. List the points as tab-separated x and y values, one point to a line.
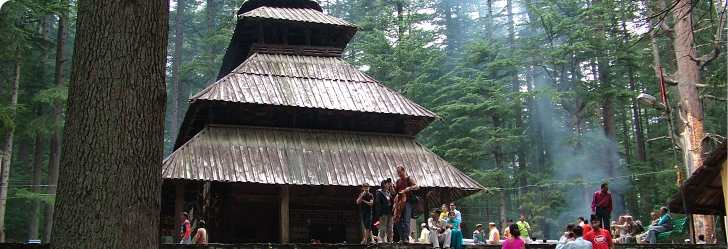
296	15
310	82
284	156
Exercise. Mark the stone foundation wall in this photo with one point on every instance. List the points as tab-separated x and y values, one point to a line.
376	246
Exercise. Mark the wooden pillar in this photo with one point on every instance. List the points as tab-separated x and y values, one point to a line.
179	205
285	224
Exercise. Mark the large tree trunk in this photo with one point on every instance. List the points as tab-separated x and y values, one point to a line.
8	148
35	205
176	61
498	155
35	185
516	87
211	59
690	107
55	147
110	175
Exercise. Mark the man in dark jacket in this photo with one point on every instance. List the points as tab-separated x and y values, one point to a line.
383	210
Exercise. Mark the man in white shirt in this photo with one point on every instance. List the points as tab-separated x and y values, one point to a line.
438	232
579	243
424	234
458	216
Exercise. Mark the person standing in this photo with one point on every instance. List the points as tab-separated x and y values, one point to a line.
404	186
185	228
514	241
201	235
602	205
494	235
365	202
458	215
383	209
579	242
523	229
567	237
600	238
506	230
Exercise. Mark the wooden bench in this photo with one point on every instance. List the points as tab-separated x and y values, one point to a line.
676	235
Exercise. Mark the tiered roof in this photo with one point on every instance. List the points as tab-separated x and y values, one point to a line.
297	114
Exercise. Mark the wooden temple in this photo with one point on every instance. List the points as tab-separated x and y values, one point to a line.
277	148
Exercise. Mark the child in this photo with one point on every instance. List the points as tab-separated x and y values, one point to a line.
365	202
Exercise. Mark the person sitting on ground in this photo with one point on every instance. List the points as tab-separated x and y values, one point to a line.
618	228
457	235
514	241
633	229
438	230
579	242
479	234
494	237
665	224
424	234
445	210
567	237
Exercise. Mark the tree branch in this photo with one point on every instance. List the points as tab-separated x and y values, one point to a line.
657	138
708	96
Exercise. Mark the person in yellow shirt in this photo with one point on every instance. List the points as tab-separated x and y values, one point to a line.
506	231
445	210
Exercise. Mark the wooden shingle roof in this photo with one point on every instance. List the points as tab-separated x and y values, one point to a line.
296	15
310	82
312	157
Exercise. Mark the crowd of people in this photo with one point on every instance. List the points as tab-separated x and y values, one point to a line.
443	228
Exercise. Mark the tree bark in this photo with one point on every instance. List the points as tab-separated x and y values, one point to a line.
55	146
211	59
110	172
516	87
690	106
35	185
176	61
35	205
8	148
498	155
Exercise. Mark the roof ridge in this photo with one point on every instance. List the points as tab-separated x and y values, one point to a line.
292	14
